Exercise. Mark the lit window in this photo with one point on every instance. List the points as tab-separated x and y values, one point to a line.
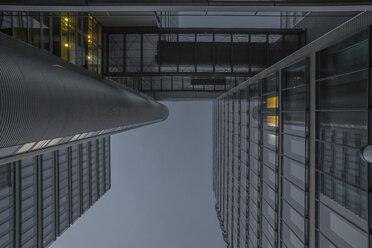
272	121
272	102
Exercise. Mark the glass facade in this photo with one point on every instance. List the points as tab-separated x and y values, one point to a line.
342	85
294	155
73	36
263	148
41	196
161	62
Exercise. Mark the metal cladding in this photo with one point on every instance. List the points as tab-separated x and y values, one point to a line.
43	97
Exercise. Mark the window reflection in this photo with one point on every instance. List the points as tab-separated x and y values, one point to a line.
342	119
45	43
44	189
346	56
34	27
74	38
294	153
20	22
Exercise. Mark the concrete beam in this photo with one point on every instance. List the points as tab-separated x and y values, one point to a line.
236	6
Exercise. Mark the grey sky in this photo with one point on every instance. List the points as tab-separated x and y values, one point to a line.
161	193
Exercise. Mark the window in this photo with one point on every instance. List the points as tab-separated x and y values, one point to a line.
341	131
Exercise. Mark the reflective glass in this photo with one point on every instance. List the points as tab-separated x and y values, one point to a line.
349	55
294	147
34	26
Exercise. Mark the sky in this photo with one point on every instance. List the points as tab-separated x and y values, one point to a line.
161	193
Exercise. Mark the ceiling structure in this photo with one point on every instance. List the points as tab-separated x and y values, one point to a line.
126	19
186	5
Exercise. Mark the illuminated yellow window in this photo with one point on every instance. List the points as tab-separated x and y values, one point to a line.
272	121
25	147
272	102
65	23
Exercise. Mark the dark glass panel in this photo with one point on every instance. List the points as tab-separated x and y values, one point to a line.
34	26
116	53
56	35
6	23
275	48
291	43
345	128
349	55
294	76
20	22
294	99
270	84
345	92
294	123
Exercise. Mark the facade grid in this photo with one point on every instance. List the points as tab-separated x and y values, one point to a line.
41	196
265	149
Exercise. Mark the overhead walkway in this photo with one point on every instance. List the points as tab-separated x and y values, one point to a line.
193	63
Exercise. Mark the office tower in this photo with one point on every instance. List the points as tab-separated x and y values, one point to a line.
41	196
56	119
47	101
291	166
292	106
155	57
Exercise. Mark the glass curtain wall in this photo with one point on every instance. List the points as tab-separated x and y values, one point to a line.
42	196
7	205
73	36
255	170
262	146
342	130
294	119
261	161
269	163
